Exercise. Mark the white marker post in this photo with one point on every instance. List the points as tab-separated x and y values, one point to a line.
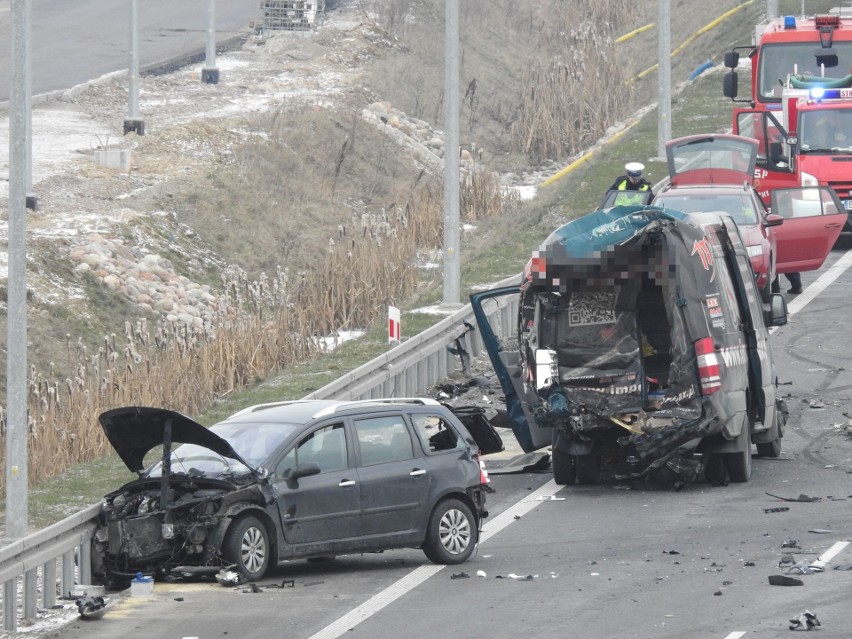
394	326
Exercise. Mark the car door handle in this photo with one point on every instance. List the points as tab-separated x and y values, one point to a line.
417	472
346	482
832	225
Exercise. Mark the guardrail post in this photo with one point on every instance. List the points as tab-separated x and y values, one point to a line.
67	572
505	321
85	567
10	605
423	374
29	611
48	572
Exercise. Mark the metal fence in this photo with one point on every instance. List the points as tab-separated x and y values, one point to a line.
49	563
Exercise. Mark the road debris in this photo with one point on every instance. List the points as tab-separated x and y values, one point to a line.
783	580
229	578
801	498
790	543
782	509
802	569
804	621
93	607
512	575
460	575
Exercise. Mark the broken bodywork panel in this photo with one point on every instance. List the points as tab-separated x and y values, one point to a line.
639	335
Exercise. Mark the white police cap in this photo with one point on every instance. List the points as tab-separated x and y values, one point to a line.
634	169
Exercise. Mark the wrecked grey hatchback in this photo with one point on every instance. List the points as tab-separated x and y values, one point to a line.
302	479
641	342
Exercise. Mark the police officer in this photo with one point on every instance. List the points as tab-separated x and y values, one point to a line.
633	180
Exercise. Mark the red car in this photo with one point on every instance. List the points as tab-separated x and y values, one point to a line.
715	173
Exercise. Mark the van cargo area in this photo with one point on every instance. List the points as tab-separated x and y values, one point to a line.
641	340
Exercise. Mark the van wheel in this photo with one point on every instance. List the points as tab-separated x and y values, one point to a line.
588	468
715	470
739	463
564	467
770	449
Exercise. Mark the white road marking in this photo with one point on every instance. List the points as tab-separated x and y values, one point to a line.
416	577
823	282
829	554
736	634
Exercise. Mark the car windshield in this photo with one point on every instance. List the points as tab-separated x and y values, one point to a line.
254	442
738	205
779	60
825	130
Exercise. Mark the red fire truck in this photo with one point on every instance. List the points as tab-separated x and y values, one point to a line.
800	109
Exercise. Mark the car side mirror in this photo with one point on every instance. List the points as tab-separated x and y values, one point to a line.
773	219
776	315
304	470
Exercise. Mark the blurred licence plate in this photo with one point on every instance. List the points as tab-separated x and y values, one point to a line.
848	204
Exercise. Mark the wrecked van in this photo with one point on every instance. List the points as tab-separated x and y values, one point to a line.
641	343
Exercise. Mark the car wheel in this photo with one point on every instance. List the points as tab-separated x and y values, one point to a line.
247	547
770	449
588	468
739	463
452	533
564	467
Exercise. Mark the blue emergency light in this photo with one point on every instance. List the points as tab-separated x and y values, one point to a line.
821	93
789	22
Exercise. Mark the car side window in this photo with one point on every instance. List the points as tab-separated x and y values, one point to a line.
383	439
326	446
435	433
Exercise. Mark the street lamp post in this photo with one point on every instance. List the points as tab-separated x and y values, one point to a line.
133	122
210	74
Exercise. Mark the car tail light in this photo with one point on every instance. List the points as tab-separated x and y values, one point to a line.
708	366
483	474
538	265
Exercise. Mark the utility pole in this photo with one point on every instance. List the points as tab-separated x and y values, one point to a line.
210	74
17	515
664	102
452	218
133	122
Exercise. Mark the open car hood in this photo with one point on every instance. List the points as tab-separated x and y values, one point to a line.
711	159
133	431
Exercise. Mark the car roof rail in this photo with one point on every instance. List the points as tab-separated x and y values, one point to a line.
344	404
257	407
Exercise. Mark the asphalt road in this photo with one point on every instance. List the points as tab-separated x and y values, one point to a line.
611	560
73	41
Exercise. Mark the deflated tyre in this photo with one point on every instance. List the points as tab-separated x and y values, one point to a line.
452	533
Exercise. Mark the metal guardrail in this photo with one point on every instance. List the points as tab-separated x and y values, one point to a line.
59	556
